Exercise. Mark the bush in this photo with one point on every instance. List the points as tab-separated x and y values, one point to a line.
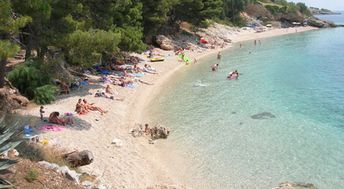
29	76
31	175
33	80
45	94
131	39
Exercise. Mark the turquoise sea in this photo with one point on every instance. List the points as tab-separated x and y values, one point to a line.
282	120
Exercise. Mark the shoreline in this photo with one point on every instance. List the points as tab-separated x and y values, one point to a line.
136	164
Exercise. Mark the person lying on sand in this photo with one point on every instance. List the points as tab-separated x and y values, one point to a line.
80	108
147	68
92	107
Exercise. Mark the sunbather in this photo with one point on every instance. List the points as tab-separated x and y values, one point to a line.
54	118
80	108
92	107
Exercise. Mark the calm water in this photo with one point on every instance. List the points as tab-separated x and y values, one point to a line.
296	82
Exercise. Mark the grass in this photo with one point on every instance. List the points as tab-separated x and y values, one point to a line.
37	153
31	175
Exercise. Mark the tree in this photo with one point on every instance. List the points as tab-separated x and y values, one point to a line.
9	28
86	48
196	11
155	14
51	23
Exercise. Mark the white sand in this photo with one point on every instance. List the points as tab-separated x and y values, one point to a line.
136	164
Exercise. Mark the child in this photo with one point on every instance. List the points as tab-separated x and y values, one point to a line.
41	112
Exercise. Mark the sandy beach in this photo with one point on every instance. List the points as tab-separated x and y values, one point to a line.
137	164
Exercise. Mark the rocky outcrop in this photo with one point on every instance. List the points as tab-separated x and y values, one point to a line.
258	11
11	99
320	23
297	185
164	43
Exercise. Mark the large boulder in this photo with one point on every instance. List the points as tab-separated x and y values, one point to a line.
77	159
164	42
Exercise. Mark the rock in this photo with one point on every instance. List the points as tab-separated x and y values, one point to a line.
320	23
117	142
77	159
164	42
87	184
101	186
11	99
263	115
48	165
296	185
70	174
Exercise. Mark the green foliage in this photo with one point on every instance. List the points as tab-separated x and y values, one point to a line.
87	48
29	76
45	94
198	11
155	14
8	141
31	175
7	49
131	39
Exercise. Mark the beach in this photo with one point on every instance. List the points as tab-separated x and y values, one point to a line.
136	164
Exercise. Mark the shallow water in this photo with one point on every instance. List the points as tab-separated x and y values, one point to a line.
283	120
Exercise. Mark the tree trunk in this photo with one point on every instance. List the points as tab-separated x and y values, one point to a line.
2	72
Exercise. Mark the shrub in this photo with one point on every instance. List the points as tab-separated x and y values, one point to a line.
8	134
31	175
29	76
45	94
33	80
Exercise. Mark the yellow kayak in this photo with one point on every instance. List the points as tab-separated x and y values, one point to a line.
157	59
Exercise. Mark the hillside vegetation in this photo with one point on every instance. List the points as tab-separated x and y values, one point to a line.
89	32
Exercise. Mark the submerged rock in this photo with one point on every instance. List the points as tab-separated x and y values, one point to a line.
296	185
263	115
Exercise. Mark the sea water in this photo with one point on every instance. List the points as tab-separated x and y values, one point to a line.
282	120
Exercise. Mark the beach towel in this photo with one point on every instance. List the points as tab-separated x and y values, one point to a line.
53	128
131	86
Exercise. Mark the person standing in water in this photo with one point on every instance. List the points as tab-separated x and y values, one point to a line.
219	55
214	67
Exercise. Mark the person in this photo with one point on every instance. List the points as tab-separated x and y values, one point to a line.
233	75
108	89
147	68
214	67
255	42
195	61
240	45
147	128
41	112
80	108
92	107
64	88
219	55
54	118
